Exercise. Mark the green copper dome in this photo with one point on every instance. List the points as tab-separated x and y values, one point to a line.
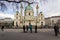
28	8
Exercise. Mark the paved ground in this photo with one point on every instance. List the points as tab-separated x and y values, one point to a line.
17	34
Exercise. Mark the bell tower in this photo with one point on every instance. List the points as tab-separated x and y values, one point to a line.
37	7
21	7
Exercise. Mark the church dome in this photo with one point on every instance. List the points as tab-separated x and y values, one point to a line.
28	8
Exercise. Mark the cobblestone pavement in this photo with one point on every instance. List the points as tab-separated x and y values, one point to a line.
17	34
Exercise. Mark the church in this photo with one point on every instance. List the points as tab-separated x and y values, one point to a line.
29	17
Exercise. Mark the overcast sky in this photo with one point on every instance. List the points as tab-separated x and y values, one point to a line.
48	7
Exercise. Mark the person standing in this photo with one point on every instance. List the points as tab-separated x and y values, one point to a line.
30	26
2	28
36	29
56	30
24	28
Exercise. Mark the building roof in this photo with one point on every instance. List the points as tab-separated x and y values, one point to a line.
7	18
55	16
52	17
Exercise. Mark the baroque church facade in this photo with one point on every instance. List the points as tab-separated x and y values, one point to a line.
29	17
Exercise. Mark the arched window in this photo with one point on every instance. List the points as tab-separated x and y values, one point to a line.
17	14
42	23
29	13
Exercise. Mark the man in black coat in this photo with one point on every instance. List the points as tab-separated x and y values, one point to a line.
2	28
56	30
24	28
36	29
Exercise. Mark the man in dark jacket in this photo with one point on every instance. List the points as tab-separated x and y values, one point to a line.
2	28
24	28
36	29
56	30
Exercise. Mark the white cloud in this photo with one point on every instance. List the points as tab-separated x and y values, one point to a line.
51	8
4	15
